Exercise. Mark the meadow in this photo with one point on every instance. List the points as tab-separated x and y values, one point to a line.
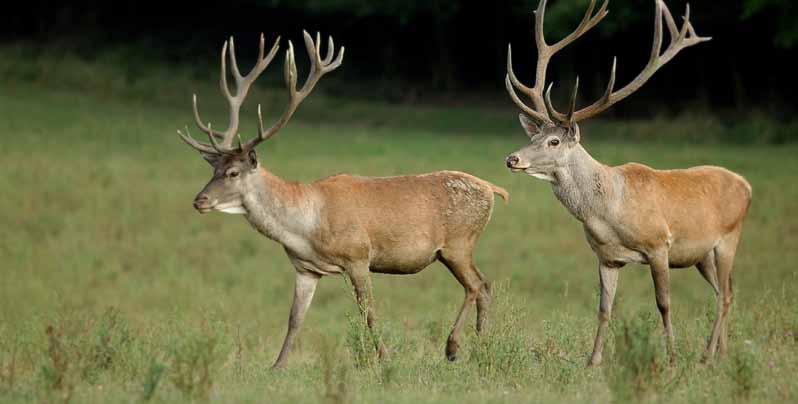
113	289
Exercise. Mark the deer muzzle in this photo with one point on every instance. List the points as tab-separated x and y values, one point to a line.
202	203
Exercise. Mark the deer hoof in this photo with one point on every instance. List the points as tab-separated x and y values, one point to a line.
594	361
451	350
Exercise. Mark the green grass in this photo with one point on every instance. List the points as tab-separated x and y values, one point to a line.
114	290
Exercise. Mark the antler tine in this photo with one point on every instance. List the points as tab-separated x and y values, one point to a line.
198	120
318	46
330	51
611	83
589	20
511	73
683	32
693	37
537	111
313	55
216	146
338	60
656	47
289	72
318	68
561	118
540	16
186	137
511	83
572	105
550	108
674	31
234	62
680	39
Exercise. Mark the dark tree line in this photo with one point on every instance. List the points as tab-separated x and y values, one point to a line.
418	50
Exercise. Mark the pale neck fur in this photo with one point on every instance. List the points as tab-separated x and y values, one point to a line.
281	210
584	186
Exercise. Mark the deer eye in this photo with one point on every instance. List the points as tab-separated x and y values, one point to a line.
232	174
554	142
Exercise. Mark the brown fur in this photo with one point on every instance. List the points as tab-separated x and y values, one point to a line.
354	225
633	213
344	224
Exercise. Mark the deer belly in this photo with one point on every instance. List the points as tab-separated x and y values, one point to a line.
403	259
686	253
315	266
618	254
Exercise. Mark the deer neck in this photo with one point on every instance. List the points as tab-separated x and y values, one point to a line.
583	185
284	211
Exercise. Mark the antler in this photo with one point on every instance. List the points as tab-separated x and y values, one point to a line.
538	109
242	84
221	142
318	68
679	39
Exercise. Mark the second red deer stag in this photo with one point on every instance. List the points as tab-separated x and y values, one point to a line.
632	213
343	224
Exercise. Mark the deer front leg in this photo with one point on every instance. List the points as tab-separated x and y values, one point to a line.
362	283
608	280
660	272
304	287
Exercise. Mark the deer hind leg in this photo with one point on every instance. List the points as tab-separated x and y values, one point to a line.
476	291
708	269
608	281
724	256
483	302
660	272
361	281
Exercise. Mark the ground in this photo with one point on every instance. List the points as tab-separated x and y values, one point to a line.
115	290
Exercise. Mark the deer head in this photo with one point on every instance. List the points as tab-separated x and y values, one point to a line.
235	167
554	135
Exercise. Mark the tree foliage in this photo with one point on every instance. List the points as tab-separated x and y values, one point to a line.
785	14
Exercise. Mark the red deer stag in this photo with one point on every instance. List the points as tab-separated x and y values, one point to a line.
343	224
633	213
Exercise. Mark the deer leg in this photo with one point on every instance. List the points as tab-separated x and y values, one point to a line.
708	270
361	280
483	302
608	280
463	269
724	255
484	298
304	287
724	333
660	272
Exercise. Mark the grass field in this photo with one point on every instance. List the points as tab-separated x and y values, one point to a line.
115	290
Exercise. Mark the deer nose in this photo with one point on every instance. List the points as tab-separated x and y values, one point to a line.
511	161
200	200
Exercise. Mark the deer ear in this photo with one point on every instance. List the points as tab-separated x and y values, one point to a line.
253	158
530	127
